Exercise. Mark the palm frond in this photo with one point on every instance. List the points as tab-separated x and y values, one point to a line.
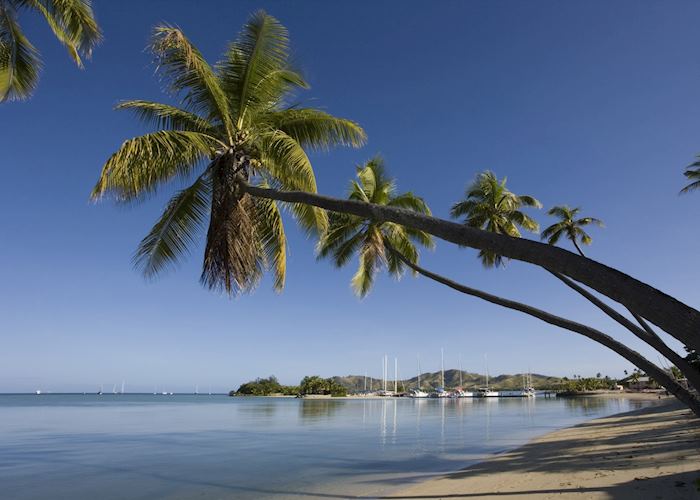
255	72
371	258
143	163
585	221
168	117
19	60
410	201
175	230
315	129
692	173
340	228
347	247
188	74
73	23
529	201
285	160
553	233
270	231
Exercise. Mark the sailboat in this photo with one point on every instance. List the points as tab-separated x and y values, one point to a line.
485	392
460	392
440	392
418	393
528	391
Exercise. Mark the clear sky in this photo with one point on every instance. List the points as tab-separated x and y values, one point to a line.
590	103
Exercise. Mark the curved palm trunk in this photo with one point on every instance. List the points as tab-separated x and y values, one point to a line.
678	319
630	355
580	252
647	334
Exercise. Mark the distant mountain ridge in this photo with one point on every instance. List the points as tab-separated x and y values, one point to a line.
432	379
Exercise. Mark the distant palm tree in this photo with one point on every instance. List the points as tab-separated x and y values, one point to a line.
569	226
234	125
489	205
72	22
692	173
348	234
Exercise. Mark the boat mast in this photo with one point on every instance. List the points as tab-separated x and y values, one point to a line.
396	375
419	372
486	362
442	367
460	369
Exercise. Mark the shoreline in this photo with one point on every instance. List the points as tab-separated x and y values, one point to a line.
652	452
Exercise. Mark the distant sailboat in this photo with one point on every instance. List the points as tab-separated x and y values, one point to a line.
123	382
460	392
485	392
418	393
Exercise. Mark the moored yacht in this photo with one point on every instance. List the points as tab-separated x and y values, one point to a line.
485	392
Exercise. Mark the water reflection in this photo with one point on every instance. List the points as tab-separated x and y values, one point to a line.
311	410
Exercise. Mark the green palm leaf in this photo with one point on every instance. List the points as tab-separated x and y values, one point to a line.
145	162
168	117
19	60
270	231
182	65
176	230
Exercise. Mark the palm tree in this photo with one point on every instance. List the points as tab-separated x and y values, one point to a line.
692	173
490	206
72	22
348	234
233	125
569	226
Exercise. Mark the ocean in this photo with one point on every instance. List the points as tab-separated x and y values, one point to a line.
217	447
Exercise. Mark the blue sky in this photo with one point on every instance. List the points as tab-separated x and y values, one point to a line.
586	103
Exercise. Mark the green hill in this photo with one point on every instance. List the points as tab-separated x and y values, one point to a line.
356	383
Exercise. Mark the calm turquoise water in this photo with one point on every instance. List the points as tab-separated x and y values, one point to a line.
215	447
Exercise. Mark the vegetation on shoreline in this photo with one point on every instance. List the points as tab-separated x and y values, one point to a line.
356	383
265	387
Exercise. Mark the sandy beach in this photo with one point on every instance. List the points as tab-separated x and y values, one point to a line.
652	453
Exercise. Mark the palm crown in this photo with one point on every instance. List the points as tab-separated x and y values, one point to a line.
348	234
692	173
490	206
569	226
234	125
73	24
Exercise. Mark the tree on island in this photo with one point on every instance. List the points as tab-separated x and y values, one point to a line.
315	385
248	150
265	387
73	24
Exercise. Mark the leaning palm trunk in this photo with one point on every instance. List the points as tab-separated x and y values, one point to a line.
647	334
678	319
660	375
